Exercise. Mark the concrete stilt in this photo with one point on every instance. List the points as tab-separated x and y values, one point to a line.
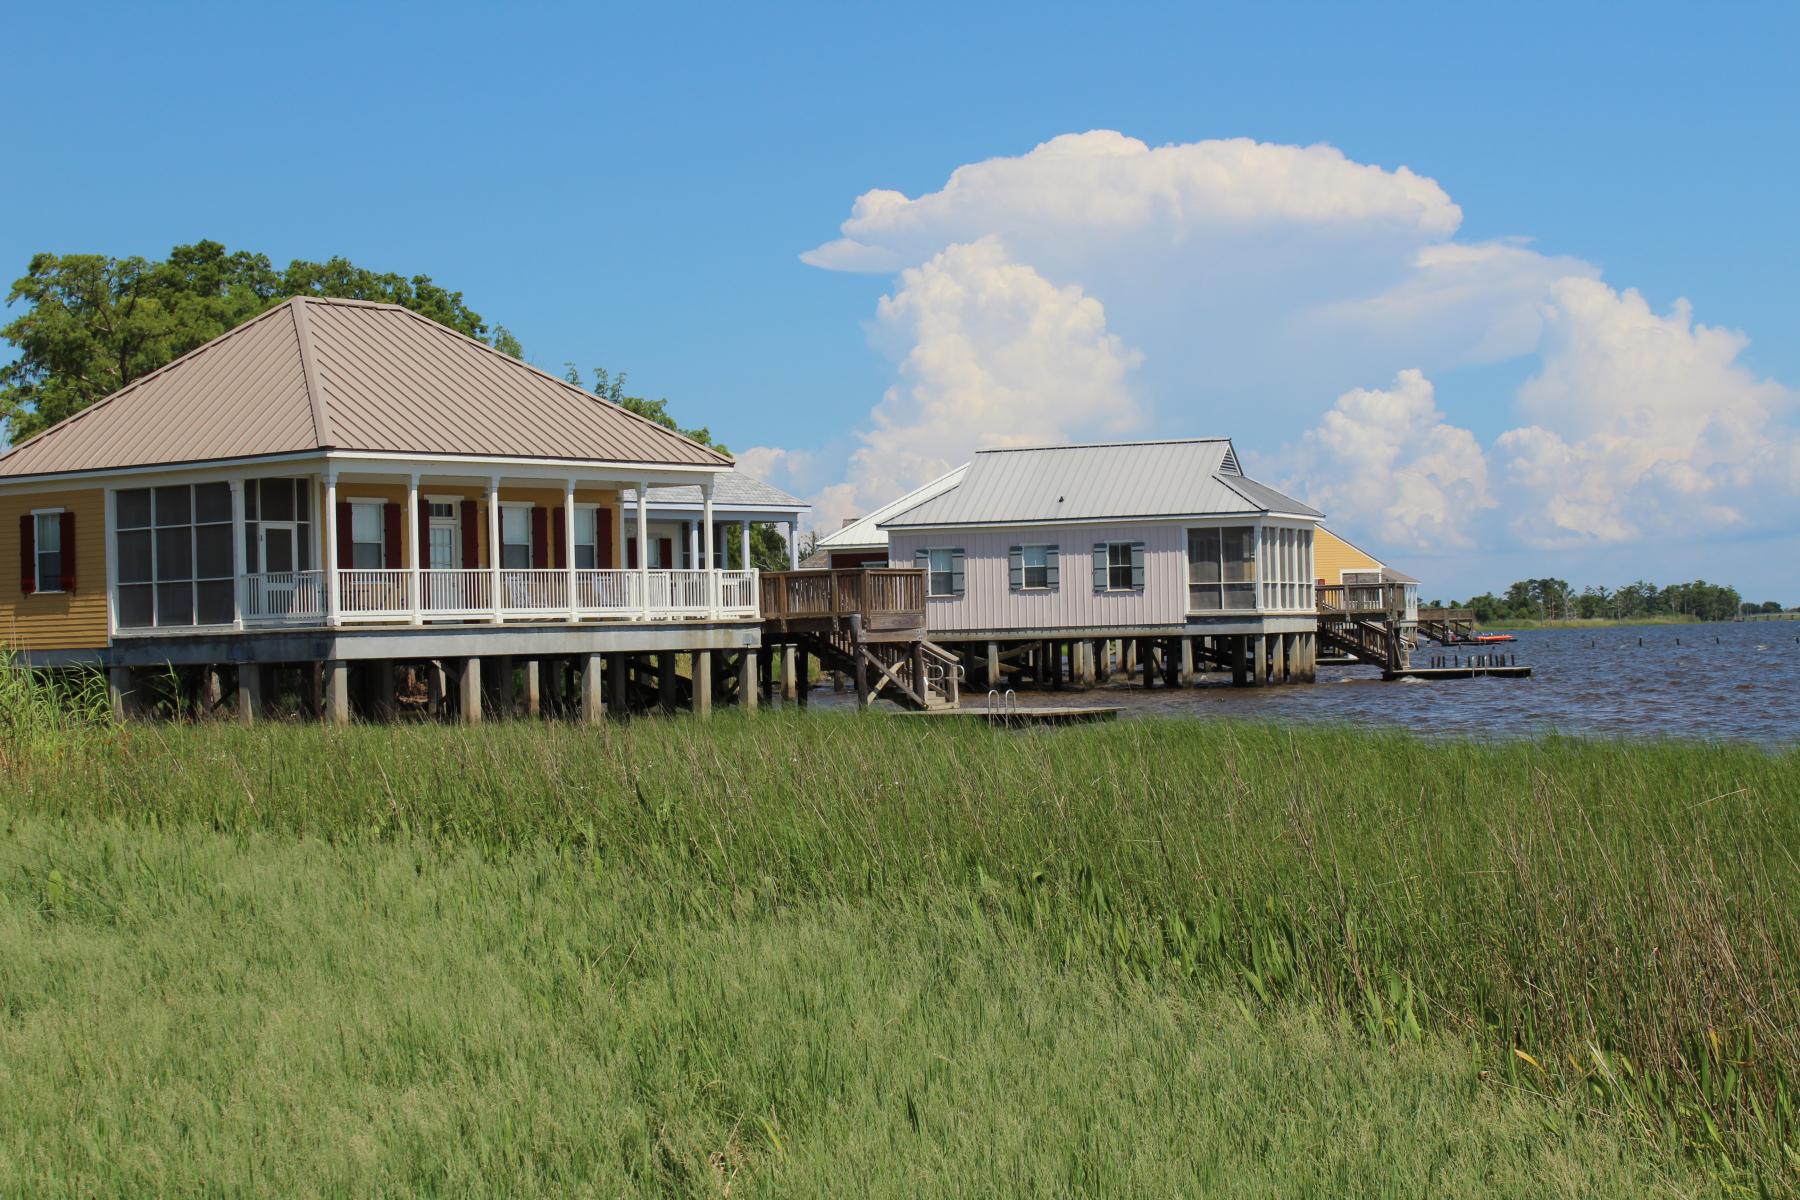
993	664
1240	667
593	708
337	692
615	683
1259	648
439	688
502	684
747	681
665	682
1187	662
1128	650
1278	658
382	691
212	690
469	692
789	687
534	692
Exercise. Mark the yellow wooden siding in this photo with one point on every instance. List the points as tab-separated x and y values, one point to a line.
551	498
55	620
1332	556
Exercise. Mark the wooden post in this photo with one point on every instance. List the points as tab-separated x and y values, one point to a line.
469	692
1240	670
615	682
503	685
803	683
593	706
747	681
249	693
337	692
993	664
118	691
665	671
381	673
1128	650
703	697
1146	660
534	687
789	687
1259	661
439	688
917	653
212	690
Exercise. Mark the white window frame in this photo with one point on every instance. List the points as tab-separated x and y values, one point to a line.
594	546
54	587
931	572
1112	566
380	507
1026	567
499	552
455	523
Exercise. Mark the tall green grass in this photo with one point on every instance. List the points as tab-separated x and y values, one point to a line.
1611	924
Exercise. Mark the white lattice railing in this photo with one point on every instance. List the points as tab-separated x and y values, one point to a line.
737	593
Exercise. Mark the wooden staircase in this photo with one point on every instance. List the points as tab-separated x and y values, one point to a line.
867	623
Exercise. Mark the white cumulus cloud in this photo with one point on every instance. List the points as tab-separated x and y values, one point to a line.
1385	461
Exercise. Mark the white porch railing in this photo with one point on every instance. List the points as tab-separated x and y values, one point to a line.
366	595
284	596
376	596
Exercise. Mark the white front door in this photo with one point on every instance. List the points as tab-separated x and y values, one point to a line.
278	545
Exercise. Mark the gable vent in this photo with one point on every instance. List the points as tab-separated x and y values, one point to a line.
1229	464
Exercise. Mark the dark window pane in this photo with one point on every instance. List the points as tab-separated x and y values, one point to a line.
212	558
212	502
303	548
515	558
172	505
174	604
252	490
584	558
136	606
250	563
134	556
174	553
367	556
134	508
216	603
277	500
49	571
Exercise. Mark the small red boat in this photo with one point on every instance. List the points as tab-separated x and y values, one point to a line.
1485	639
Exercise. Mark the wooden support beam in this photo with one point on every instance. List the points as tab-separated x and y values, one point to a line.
703	683
993	664
469	692
747	681
249	693
790	688
593	703
534	687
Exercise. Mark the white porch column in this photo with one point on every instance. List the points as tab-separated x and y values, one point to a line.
493	524
569	544
706	520
744	545
415	592
693	540
237	553
331	549
793	545
643	544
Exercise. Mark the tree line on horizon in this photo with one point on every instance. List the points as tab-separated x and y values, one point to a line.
1554	599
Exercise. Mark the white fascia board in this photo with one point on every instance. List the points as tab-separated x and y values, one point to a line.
1247	515
553	469
207	469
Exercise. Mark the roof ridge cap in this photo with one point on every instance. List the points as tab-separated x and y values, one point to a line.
309	369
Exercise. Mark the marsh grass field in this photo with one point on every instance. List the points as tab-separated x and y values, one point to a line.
829	954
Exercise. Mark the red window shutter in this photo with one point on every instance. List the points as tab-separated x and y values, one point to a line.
559	538
666	550
68	552
345	545
424	533
27	553
540	538
631	553
391	534
471	544
603	522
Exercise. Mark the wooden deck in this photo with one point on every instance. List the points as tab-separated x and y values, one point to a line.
865	622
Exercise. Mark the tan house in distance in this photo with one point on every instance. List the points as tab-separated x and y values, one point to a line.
343	486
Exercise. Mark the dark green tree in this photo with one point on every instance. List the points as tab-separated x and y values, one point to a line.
94	323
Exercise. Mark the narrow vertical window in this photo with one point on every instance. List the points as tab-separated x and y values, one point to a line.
47	528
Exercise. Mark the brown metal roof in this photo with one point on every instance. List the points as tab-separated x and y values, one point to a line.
324	374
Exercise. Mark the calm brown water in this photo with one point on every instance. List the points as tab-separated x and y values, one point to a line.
1732	681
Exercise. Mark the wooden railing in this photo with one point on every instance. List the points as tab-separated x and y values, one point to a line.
1336	599
861	591
1457	615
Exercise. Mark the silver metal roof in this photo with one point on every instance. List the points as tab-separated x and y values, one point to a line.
1106	481
865	533
729	487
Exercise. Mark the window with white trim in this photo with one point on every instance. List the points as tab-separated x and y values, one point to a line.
1035	561
48	548
368	535
1118	567
587	537
1222	568
941	577
515	537
173	547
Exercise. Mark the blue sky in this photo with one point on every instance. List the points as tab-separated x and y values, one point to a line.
633	188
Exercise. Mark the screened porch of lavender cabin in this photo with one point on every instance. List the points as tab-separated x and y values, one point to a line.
318	550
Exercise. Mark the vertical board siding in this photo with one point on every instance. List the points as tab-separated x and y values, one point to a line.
988	603
56	620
